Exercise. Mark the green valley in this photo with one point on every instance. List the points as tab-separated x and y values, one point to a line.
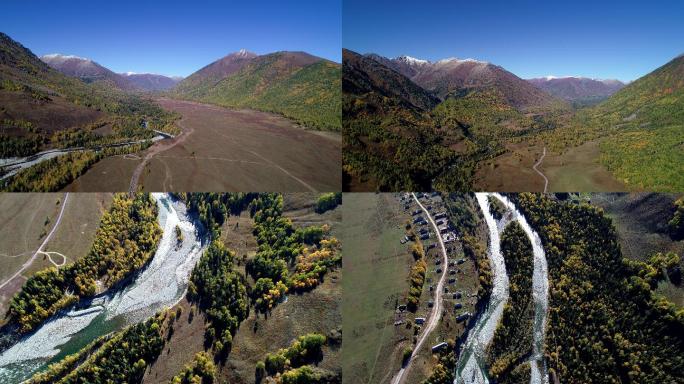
463	124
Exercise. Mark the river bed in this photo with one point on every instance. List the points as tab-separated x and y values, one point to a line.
471	367
162	283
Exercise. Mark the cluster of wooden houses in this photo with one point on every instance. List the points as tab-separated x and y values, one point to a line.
448	234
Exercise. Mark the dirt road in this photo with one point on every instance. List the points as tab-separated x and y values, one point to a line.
40	248
436	314
538	163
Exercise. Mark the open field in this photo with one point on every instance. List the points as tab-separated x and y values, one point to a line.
185	341
376	270
641	223
74	236
314	311
577	169
226	150
23	227
110	174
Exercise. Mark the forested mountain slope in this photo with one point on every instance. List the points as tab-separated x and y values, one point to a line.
42	108
297	85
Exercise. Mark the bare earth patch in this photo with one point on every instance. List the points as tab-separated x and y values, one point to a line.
226	150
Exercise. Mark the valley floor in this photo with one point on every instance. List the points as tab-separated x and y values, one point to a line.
577	169
224	150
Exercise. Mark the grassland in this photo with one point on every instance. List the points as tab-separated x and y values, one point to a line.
376	270
24	224
314	311
575	169
227	150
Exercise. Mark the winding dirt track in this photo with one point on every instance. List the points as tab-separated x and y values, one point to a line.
436	313
40	248
155	150
546	181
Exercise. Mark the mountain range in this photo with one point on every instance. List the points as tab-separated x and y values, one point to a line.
54	93
412	123
578	89
298	85
456	77
89	71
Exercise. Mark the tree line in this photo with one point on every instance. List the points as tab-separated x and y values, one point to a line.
221	293
119	358
328	201
511	346
296	363
58	172
200	371
311	251
125	240
606	321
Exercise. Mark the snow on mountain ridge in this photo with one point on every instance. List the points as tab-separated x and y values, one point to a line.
411	60
552	77
63	57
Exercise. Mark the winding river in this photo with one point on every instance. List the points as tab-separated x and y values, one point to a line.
161	284
540	295
471	367
12	165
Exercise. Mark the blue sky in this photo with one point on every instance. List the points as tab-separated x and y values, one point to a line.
172	37
599	39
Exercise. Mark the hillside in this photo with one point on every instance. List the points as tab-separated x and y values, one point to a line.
392	141
411	123
297	85
39	98
86	70
656	98
198	82
364	74
579	90
644	127
42	109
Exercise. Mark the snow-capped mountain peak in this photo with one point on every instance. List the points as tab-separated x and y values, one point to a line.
411	60
458	61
